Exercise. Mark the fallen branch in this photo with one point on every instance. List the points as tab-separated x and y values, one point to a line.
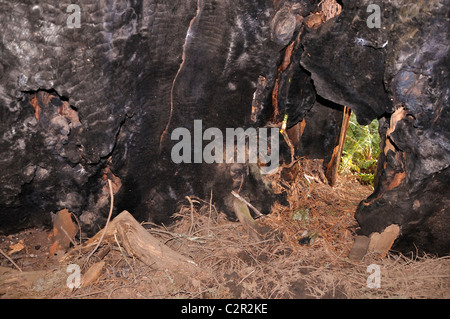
7	257
248	204
243	214
137	241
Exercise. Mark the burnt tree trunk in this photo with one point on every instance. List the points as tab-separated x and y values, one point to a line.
80	105
83	105
399	74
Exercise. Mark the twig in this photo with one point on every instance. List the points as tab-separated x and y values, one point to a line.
7	257
124	257
168	275
89	294
192	215
107	221
246	202
291	148
210	214
79	225
246	277
68	236
117	288
309	177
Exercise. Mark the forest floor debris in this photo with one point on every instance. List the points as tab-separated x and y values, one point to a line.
304	256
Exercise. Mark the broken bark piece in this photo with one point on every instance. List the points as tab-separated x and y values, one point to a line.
313	21
137	241
92	273
16	247
398	115
377	243
64	231
359	248
382	243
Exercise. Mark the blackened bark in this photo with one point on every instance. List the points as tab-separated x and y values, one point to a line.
399	67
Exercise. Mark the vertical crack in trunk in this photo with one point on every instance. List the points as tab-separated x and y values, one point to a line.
183	59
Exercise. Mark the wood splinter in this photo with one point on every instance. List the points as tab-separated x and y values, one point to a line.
245	218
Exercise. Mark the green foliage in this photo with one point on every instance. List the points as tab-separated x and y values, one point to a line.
361	151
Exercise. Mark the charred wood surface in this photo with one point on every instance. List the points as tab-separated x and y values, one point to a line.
80	106
395	73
